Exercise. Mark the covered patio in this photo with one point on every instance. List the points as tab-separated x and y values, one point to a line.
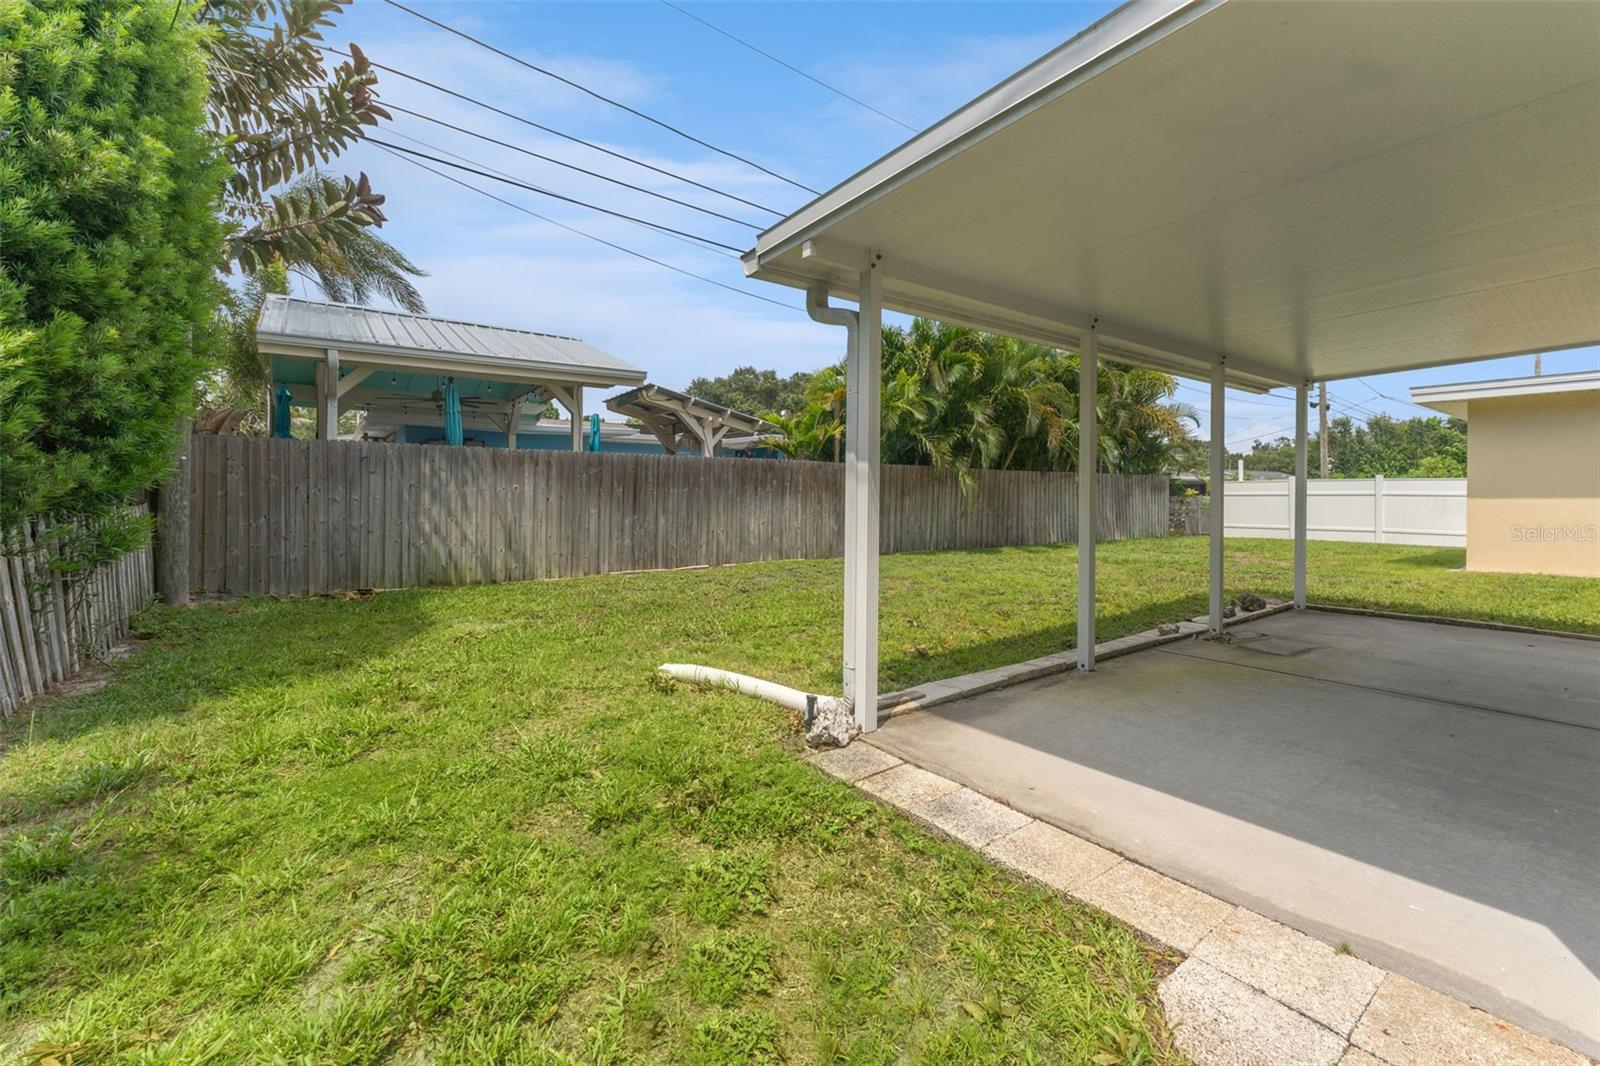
1265	195
1422	792
1256	194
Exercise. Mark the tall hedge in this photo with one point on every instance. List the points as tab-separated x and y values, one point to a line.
109	244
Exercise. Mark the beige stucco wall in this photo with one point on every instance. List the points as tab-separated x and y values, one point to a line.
1533	484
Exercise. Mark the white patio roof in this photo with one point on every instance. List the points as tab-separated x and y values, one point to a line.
1314	190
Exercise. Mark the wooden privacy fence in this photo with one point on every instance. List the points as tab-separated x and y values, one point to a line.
47	630
292	517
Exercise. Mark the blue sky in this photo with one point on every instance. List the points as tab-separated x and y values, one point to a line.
490	263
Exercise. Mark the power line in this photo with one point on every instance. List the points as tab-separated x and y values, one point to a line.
573	166
598	96
692	243
1396	399
546	192
1207	392
476	102
590	236
787	66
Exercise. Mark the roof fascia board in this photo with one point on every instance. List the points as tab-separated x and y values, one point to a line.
446	362
1123	33
1058	325
1505	389
1429	364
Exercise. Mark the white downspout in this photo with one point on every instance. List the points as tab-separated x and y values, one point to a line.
828	719
817	307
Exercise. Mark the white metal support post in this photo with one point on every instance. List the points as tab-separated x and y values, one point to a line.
1088	524
1301	395
328	395
1219	464
863	422
576	410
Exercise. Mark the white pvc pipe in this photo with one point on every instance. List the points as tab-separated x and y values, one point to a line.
782	695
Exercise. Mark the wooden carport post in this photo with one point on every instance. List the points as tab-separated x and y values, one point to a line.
328	395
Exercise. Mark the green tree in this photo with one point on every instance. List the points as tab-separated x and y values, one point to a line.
281	113
109	187
964	400
1411	447
755	392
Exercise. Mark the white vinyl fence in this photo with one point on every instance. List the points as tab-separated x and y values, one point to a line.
1375	510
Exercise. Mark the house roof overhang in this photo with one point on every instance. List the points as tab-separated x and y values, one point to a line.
1312	191
1452	399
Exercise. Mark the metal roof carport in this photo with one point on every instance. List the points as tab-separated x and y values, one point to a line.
341	356
1259	193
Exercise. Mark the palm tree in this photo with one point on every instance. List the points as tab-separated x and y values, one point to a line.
358	265
963	400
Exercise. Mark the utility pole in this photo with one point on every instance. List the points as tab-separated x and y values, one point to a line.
1538	363
1322	428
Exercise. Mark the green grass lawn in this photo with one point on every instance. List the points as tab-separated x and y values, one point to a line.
467	825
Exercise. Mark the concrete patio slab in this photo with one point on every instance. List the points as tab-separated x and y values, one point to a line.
1423	792
1293	968
1156	905
1220	1021
1410	1025
1051	857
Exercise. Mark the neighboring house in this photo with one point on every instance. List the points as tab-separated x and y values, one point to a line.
1533	470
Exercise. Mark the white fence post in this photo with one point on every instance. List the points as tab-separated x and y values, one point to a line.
1377	509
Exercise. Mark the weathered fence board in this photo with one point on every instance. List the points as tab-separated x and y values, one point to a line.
294	517
48	628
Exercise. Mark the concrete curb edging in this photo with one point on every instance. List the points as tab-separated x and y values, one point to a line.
1445	620
950	689
1252	991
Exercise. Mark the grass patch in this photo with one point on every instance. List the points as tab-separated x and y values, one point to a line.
465	825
